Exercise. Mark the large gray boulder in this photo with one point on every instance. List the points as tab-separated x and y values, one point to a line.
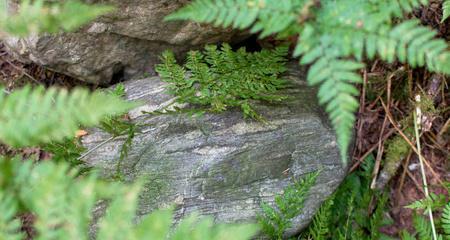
222	164
122	44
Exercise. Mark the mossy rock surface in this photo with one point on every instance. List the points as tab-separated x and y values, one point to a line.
222	164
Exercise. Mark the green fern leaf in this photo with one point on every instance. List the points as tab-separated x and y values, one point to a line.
38	16
35	116
405	235
445	10
275	220
337	92
9	224
417	46
266	16
445	220
422	227
319	229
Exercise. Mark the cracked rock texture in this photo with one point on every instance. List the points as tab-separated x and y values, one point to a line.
221	164
121	45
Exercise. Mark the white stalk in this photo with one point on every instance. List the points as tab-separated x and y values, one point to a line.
417	124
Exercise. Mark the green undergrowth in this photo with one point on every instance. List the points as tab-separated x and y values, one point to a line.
118	125
354	211
357	212
439	204
218	79
276	219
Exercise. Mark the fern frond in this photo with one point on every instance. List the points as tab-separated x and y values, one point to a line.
405	235
39	16
266	16
423	227
408	6
445	220
36	116
336	78
275	220
319	229
9	224
445	10
376	221
221	78
417	46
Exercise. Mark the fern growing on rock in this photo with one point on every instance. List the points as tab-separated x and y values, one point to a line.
220	79
275	220
335	38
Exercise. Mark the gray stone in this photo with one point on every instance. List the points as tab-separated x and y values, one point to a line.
222	164
124	43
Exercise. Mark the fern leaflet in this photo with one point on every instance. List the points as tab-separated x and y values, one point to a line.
52	114
39	16
445	220
446	10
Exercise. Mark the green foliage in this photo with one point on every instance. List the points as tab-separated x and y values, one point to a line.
68	150
275	220
116	125
319	228
353	212
433	202
335	37
437	203
33	116
221	78
9	224
40	16
445	220
445	10
63	207
423	228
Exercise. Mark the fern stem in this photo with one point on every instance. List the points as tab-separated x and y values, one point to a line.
417	118
96	147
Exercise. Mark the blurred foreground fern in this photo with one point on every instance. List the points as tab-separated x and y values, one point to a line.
39	16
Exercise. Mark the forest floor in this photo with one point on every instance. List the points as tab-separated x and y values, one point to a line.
386	103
